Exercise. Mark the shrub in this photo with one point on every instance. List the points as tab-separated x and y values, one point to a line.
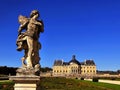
82	78
113	78
1	86
95	79
76	78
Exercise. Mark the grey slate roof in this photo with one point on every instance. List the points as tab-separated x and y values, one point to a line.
74	60
88	62
61	63
58	62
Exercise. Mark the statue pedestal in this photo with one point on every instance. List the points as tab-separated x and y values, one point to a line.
26	82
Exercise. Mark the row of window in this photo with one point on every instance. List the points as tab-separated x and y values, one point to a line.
88	67
87	71
60	71
76	67
73	71
67	67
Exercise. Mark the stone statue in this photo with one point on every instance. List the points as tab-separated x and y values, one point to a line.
28	40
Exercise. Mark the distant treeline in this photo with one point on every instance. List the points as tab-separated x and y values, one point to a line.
4	70
45	69
108	72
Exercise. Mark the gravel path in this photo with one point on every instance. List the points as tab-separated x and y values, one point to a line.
106	81
110	81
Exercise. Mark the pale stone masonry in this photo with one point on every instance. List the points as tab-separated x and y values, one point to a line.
74	67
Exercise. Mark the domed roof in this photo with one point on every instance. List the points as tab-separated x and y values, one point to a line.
74	60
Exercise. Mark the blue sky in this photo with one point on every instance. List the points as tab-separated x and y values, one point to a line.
89	29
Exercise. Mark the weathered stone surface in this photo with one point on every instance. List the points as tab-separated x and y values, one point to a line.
28	76
29	42
27	71
26	82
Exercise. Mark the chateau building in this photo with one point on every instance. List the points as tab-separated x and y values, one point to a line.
74	67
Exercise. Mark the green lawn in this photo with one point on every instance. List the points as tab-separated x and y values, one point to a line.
65	84
74	84
106	85
6	85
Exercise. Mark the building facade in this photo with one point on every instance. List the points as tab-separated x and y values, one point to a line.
73	67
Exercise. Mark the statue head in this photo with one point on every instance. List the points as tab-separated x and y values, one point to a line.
34	12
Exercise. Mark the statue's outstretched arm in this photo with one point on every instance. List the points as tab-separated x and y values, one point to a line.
21	27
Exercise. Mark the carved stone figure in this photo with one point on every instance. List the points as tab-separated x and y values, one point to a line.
28	40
